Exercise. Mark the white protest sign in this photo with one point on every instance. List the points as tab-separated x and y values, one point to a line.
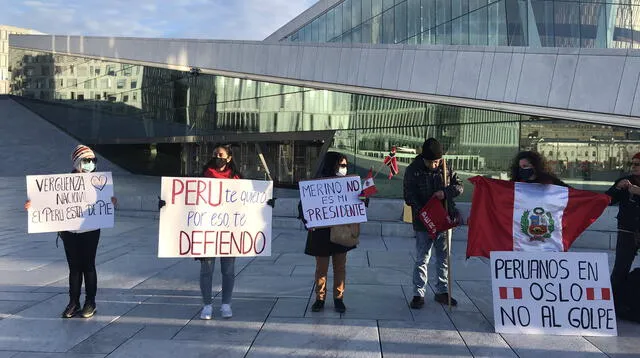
63	202
562	293
332	201
206	217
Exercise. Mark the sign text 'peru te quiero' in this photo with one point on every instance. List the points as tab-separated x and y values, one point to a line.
332	201
62	202
561	293
206	217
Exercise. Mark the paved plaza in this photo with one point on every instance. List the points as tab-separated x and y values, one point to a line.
149	307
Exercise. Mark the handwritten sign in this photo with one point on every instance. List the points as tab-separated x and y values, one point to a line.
332	201
65	202
206	217
562	293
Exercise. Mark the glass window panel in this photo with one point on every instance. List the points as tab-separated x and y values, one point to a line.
443	34
366	10
338	21
476	4
443	11
387	4
567	24
356	12
459	8
497	25
635	28
460	31
592	22
356	35
618	30
478	27
413	17
366	32
331	24
517	22
346	16
315	28
376	29
376	7
543	13
346	37
400	22
322	29
387	27
428	15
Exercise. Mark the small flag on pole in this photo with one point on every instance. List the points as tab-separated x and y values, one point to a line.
392	162
369	187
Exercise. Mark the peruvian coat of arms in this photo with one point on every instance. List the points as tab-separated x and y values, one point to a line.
537	224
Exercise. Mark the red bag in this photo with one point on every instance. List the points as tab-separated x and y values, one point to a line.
435	218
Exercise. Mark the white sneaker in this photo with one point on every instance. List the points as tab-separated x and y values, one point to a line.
207	312
225	310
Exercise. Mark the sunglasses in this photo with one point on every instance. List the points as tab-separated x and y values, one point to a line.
635	164
342	165
89	160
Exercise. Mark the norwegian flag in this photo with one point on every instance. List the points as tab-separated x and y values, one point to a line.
510	293
369	187
392	162
598	294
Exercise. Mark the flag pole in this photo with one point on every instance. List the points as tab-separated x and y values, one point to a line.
378	170
448	233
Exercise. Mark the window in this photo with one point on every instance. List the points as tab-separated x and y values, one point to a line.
97	97
550	154
125	98
586	154
87	84
134	84
61	82
121	83
127	70
96	71
135	96
593	154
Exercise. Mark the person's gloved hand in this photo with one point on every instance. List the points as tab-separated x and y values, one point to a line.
272	202
161	203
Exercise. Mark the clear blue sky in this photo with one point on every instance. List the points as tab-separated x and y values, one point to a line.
211	19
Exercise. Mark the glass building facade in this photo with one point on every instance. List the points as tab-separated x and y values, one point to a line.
533	23
157	121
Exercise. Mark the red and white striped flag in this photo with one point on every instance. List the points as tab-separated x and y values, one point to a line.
598	294
513	216
392	162
510	293
369	187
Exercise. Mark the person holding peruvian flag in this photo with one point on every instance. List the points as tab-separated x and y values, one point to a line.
424	179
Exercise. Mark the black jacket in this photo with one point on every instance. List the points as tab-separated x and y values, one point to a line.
421	182
629	211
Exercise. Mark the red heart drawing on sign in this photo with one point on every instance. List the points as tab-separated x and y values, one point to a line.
99	182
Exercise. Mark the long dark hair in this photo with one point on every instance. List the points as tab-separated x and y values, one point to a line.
542	172
329	165
231	164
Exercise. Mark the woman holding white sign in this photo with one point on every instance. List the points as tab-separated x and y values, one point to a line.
80	248
221	166
320	244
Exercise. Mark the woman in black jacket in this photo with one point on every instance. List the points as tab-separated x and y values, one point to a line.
319	244
530	167
626	192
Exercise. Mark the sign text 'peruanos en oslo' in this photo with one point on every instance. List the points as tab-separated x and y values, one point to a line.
206	217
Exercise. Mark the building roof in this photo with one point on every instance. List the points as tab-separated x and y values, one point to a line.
591	85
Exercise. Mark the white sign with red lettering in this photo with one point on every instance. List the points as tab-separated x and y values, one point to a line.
561	293
206	217
332	201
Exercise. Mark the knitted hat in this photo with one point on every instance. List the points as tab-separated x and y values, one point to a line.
81	152
431	149
637	156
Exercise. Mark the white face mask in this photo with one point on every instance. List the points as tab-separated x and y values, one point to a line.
341	172
88	167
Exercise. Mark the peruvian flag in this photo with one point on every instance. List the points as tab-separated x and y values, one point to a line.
514	216
368	187
392	162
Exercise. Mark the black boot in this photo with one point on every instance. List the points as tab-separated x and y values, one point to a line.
89	308
317	306
339	305
72	309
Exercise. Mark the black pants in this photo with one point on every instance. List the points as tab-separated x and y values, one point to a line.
626	248
81	257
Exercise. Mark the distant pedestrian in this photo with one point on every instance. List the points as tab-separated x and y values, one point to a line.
80	247
424	179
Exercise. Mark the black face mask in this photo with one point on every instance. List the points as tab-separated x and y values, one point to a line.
525	173
218	163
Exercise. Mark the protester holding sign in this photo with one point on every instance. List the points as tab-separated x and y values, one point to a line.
80	247
424	179
626	192
530	167
320	243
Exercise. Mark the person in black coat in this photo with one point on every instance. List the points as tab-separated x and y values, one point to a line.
626	192
319	244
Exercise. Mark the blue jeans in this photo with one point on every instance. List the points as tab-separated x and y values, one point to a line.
423	254
227	268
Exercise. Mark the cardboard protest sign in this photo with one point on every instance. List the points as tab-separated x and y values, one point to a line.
332	201
562	293
63	202
206	217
